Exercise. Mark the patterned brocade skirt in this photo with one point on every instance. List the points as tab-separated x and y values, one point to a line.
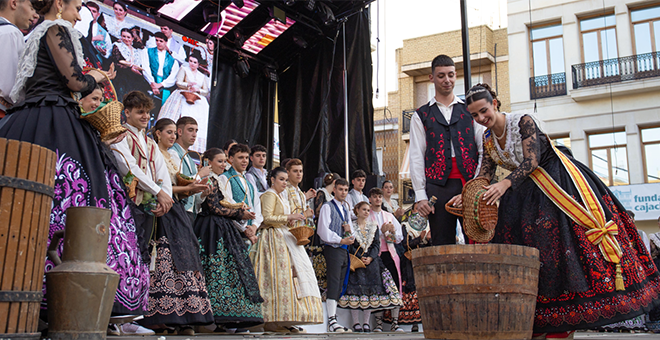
576	284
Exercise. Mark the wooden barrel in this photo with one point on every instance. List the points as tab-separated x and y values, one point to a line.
27	174
482	291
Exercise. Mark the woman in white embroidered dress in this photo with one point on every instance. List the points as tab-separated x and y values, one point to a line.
578	287
190	80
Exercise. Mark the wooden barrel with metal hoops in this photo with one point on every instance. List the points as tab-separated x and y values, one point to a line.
480	291
27	175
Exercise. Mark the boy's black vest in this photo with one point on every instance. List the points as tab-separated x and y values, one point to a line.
440	135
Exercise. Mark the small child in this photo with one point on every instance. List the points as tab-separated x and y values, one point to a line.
370	288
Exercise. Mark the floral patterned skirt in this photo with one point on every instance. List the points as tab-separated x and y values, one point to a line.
576	284
230	278
176	297
86	176
388	297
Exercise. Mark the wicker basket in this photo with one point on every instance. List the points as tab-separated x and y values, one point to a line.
356	263
302	234
131	187
479	218
191	97
228	205
181	180
107	120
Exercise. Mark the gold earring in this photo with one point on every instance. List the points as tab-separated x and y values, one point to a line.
59	14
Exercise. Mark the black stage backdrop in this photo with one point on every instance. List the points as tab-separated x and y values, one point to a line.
239	107
311	113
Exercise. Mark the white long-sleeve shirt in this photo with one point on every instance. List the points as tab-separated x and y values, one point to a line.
145	180
11	39
383	216
418	146
255	205
325	217
170	80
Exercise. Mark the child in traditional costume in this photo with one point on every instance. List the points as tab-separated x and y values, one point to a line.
372	287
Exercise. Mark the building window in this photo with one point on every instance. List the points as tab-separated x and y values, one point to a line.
650	151
547	50
548	73
562	141
598	38
646	35
609	158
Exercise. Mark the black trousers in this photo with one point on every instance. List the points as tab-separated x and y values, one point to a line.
386	257
336	263
442	223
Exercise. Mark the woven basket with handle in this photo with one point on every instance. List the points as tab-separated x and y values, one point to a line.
181	179
479	218
107	120
302	234
356	262
132	186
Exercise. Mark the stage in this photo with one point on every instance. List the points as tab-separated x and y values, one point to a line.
376	336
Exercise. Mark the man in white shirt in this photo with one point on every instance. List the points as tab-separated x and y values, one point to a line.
173	46
257	174
97	35
14	15
355	196
334	230
236	189
147	164
445	150
159	68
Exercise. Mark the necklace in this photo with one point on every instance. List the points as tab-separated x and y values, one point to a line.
500	137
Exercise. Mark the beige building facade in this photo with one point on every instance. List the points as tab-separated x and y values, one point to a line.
591	71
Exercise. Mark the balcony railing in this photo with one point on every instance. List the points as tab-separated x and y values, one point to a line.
616	70
407	115
550	85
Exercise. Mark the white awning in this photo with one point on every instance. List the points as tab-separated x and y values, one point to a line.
404	171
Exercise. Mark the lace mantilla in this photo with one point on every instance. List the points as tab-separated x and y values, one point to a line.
28	60
129	53
512	155
365	237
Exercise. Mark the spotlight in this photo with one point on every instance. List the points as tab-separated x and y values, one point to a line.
238	3
310	4
242	67
270	73
326	14
300	41
239	39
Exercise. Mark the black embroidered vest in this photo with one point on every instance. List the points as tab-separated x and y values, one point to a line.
440	135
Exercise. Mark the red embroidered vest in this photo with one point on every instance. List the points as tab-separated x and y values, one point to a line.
440	134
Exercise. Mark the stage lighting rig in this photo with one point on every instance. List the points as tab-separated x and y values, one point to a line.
300	41
270	73
326	14
310	4
239	38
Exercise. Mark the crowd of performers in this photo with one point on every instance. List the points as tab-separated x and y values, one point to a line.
209	242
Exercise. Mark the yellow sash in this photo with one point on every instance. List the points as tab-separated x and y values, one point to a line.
591	216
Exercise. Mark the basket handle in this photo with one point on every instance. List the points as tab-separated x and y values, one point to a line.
184	156
454	210
122	155
226	184
114	92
